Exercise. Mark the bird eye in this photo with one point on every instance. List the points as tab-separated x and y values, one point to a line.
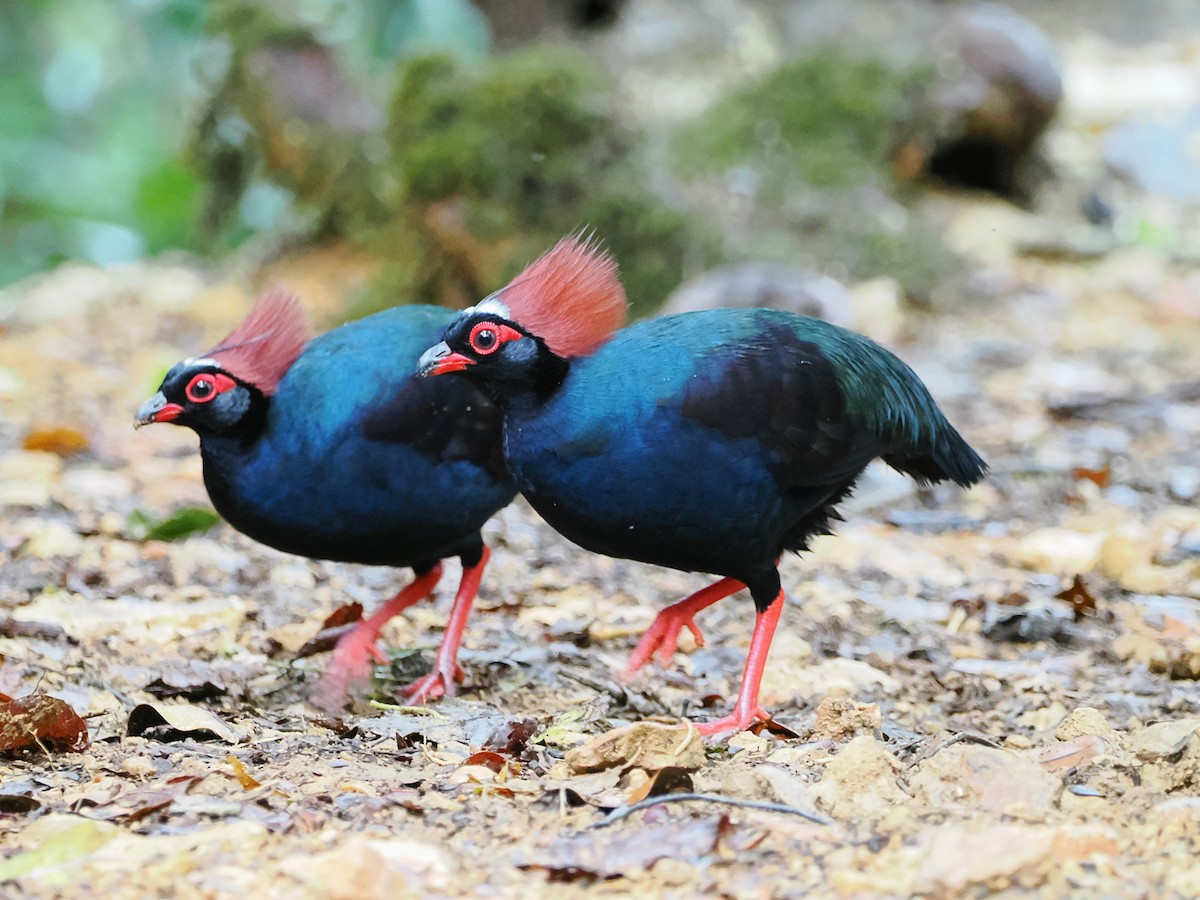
201	389
484	338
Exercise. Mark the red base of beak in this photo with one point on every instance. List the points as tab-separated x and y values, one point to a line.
455	362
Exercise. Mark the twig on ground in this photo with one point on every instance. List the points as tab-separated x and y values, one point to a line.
407	710
624	811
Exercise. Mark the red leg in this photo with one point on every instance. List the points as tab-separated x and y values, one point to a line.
355	651
663	633
746	710
446	670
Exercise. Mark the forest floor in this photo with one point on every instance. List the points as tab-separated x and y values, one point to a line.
972	691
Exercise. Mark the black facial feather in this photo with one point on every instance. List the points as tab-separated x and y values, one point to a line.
446	419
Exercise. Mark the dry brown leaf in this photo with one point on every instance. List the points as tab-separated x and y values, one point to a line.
1079	598
61	441
133	806
40	721
1078	751
613	852
176	722
669	780
1098	477
242	774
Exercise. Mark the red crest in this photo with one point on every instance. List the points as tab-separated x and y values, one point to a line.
264	346
570	297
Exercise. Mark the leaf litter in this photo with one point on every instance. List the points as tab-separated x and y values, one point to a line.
961	721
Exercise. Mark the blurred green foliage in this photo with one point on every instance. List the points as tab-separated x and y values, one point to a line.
101	102
89	161
492	164
135	126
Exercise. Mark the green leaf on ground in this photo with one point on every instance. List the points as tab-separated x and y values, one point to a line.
175	527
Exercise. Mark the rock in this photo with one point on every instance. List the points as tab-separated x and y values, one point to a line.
1075	843
985	778
1084	721
1158	155
791	655
999	88
877	308
362	866
841	676
860	781
1162	739
1176	771
647	745
997	854
1043	718
838	719
51	539
1059	551
764	285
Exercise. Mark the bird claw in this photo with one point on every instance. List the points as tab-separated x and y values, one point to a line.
438	683
738	720
349	666
662	637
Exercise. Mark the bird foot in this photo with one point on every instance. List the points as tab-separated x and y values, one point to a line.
441	682
738	720
350	666
663	637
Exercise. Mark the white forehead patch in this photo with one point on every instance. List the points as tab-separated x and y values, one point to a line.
201	361
495	306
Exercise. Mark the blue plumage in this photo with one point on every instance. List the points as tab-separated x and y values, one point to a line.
714	441
333	449
320	482
711	441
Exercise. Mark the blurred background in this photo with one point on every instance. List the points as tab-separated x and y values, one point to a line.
424	150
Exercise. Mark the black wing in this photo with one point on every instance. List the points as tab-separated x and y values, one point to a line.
783	393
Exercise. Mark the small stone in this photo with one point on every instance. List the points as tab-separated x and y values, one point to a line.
1043	718
860	781
996	854
1086	720
1162	739
987	778
137	767
51	539
647	745
842	676
1059	551
839	718
1185	483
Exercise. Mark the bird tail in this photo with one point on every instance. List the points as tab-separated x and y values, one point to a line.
947	457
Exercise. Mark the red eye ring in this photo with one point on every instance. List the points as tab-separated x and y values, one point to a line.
487	337
206	385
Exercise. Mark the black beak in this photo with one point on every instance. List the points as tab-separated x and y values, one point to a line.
439	359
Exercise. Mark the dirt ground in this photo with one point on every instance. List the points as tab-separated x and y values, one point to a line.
972	692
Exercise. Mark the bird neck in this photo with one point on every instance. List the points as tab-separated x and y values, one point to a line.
240	437
527	383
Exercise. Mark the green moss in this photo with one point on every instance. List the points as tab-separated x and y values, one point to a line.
828	119
491	165
811	143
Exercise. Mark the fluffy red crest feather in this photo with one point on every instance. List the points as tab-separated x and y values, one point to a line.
264	346
570	297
